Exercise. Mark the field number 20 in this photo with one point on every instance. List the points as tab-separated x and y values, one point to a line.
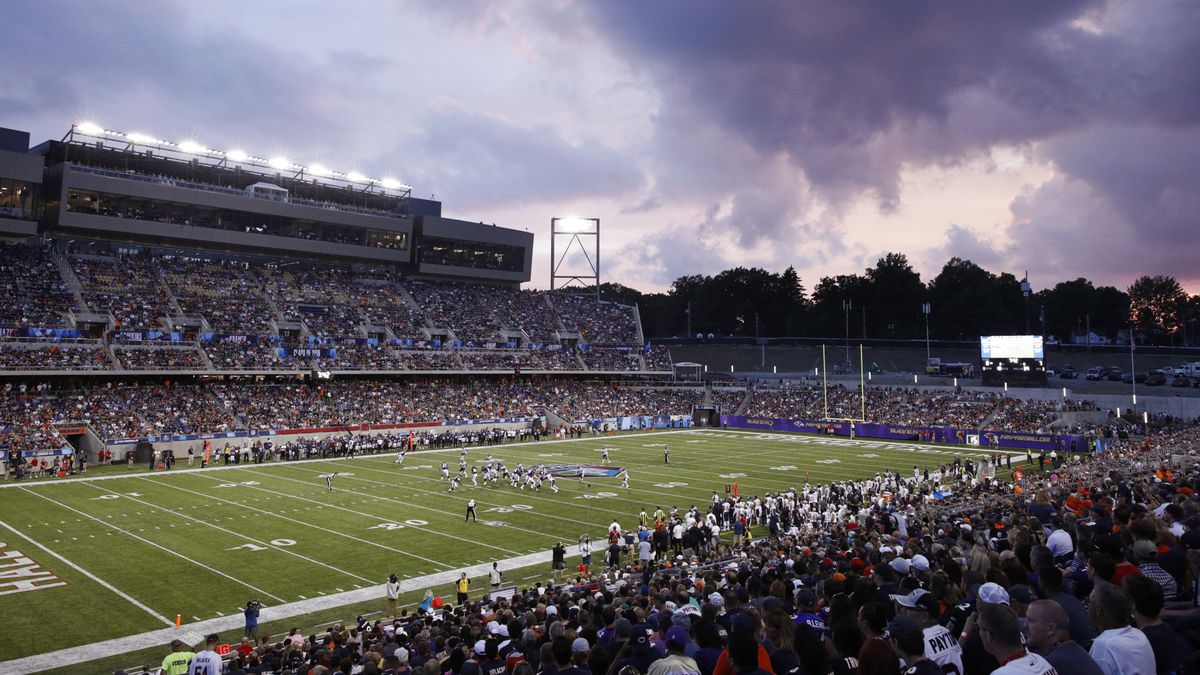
508	509
398	526
256	547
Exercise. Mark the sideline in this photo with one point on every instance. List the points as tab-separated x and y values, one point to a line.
226	467
193	633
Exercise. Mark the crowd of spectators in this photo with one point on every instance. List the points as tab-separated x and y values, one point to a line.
351	356
574	402
34	292
58	356
959	408
161	358
611	359
602	323
227	354
728	399
658	359
130	288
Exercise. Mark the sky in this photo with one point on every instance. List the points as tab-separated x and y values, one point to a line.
1059	139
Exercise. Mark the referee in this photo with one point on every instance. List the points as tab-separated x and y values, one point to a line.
471	512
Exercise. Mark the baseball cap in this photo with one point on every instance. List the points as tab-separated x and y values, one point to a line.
920	563
993	594
401	655
212	637
1144	548
911	599
580	645
1022	593
903	626
805	597
716	599
641	638
900	565
678	635
481	647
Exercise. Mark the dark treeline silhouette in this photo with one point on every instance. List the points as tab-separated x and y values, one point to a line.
886	301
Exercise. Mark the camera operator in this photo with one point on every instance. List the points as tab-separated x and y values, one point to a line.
251	614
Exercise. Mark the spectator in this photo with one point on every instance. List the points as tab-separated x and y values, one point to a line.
1119	649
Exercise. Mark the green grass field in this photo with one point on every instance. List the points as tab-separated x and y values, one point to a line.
131	549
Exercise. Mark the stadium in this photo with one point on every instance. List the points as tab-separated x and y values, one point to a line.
294	408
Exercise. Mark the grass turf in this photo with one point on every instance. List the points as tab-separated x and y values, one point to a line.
200	544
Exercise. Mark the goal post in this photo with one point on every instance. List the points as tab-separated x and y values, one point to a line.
862	388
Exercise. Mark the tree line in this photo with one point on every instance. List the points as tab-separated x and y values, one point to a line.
887	301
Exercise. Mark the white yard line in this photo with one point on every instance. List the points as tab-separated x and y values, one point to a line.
125	596
237	534
325	530
194	633
465	540
160	547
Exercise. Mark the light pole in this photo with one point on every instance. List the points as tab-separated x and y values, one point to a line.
925	310
847	306
1025	292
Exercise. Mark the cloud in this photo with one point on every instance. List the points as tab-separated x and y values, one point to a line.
1123	205
480	161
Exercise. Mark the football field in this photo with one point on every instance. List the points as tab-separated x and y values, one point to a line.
87	560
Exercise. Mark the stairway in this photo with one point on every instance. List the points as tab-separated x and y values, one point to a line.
70	279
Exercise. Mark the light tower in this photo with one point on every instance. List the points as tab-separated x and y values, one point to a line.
574	232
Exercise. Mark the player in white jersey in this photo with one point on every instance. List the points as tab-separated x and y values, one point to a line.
400	456
553	484
454	483
604	454
329	480
625	478
474	476
445	471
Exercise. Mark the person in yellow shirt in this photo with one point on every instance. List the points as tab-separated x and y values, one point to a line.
177	661
463	586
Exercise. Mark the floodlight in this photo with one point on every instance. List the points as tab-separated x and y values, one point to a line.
90	128
357	177
318	170
193	147
572	225
143	139
390	183
278	163
237	155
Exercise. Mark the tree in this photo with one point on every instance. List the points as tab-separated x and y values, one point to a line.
968	301
1157	305
894	295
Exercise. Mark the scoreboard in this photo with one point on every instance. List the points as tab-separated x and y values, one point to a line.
1016	360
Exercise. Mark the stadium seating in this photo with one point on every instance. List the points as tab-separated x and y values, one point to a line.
139	299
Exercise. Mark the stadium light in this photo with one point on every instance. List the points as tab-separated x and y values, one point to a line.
390	183
357	177
193	147
90	128
237	155
319	170
143	139
278	163
574	225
